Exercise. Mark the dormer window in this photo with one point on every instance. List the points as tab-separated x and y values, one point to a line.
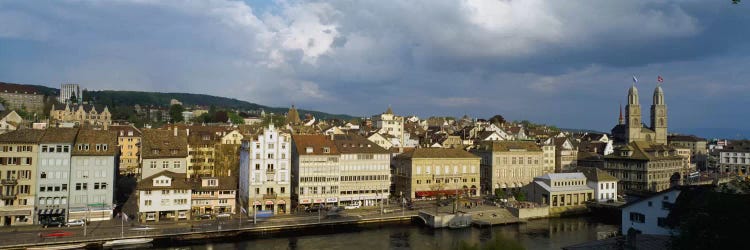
308	150
104	147
326	150
212	182
155	151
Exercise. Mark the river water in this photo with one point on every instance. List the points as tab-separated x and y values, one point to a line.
537	234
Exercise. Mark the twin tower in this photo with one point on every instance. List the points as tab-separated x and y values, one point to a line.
636	130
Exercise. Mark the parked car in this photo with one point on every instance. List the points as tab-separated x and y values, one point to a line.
54	223
353	206
314	208
205	216
78	222
223	215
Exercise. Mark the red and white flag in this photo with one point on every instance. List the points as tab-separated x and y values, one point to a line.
659	79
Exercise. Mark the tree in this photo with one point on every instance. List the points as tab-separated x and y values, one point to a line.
500	193
73	99
175	112
221	116
497	119
236	118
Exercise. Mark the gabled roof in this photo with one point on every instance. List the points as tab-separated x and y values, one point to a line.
22	136
18	88
355	144
59	135
316	142
224	183
179	181
643	150
507	146
688	138
597	175
160	143
94	137
122	130
437	153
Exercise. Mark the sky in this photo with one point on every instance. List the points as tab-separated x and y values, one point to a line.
565	63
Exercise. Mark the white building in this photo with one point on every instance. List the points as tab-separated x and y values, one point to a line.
54	174
70	89
648	215
164	196
265	171
388	123
163	150
365	171
603	183
315	171
93	166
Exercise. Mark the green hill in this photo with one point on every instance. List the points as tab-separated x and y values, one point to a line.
116	98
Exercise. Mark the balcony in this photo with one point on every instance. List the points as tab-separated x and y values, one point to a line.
269	196
8	196
9	182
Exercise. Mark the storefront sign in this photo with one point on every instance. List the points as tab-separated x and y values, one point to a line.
319	200
305	201
281	202
331	200
269	202
256	203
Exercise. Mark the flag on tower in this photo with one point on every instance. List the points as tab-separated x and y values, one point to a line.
635	80
659	79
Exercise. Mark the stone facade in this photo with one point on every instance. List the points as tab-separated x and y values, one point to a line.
129	143
315	171
433	172
512	164
19	156
365	171
81	114
265	171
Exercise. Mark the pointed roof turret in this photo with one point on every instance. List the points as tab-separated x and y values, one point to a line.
389	110
658	96
633	96
292	116
622	121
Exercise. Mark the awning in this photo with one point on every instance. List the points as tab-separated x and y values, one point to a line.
55	211
437	192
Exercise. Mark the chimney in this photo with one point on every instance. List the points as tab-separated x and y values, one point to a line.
187	130
175	131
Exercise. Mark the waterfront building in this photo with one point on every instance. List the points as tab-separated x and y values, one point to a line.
365	171
163	150
696	144
92	175
213	195
206	155
21	97
81	114
18	157
649	215
566	154
603	183
55	151
265	169
512	164
561	191
735	158
162	196
68	90
431	172
315	171
129	144
644	166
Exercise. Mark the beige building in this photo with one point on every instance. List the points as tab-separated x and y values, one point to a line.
18	158
643	166
566	154
265	168
365	171
81	114
433	172
9	121
511	164
696	144
632	129
129	143
561	191
212	150
21	97
213	195
315	171
163	150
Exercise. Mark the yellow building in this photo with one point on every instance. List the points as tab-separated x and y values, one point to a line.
432	172
512	164
81	114
129	142
18	160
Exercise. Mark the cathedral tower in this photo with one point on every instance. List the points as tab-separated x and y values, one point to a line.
633	116
659	116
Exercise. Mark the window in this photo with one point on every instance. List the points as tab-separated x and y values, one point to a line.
78	186
283	190
637	217
147	192
43	175
177	164
153	164
326	150
96	185
44	149
85	186
257	166
165	192
147	202
164	164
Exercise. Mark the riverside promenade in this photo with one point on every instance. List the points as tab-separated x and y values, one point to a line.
167	232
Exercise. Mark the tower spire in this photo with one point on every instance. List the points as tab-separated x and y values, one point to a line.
621	121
